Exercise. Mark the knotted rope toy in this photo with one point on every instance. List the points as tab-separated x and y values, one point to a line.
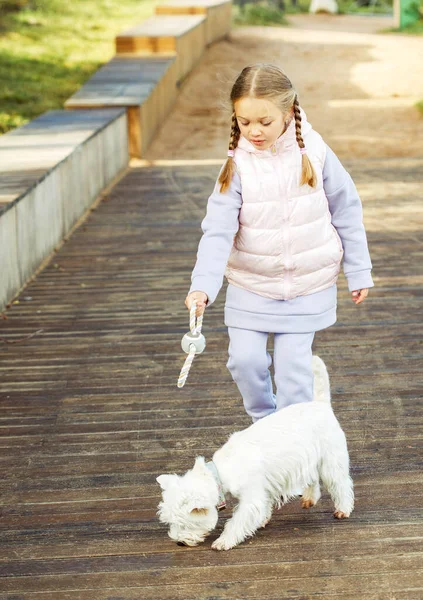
192	343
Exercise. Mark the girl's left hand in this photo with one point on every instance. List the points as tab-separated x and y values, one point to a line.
359	295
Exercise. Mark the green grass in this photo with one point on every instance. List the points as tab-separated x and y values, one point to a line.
351	7
258	13
415	11
419	106
415	29
266	12
48	51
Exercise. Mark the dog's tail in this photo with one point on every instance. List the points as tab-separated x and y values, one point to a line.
321	380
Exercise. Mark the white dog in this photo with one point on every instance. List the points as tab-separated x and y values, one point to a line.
263	466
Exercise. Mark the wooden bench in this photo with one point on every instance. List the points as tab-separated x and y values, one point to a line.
51	171
182	36
145	86
218	14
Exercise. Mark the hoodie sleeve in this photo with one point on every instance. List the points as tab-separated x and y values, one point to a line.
219	228
347	218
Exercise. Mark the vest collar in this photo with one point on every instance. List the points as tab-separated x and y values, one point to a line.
213	470
284	141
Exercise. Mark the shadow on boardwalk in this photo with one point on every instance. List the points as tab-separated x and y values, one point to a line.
90	412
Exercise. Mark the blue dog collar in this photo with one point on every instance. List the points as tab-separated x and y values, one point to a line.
213	470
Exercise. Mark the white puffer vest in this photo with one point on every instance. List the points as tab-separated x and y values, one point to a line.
286	245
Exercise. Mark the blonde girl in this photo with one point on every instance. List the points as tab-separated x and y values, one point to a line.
282	216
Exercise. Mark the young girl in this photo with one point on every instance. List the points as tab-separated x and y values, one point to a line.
283	213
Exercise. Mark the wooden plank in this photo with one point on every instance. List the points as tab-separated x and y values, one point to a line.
135	571
133	555
234	592
198	5
155	27
146	86
275	581
135	132
125	539
218	14
182	36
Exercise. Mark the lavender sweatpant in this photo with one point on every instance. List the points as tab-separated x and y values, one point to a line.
249	364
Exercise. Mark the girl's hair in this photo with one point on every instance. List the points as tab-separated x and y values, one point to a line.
266	82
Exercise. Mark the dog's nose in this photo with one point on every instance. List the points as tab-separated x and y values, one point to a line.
181	543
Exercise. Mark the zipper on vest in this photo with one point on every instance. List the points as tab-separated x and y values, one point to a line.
286	242
287	262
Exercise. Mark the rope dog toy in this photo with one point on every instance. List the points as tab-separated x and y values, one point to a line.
192	343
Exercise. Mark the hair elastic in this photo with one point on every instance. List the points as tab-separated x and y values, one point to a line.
231	153
303	150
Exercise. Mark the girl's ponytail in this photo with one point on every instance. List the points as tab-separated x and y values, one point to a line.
308	174
225	176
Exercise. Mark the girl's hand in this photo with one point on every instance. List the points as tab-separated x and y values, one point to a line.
359	295
201	299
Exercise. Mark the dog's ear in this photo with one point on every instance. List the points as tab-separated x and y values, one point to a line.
197	508
199	512
165	481
200	465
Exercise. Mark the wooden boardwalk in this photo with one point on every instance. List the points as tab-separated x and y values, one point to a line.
90	413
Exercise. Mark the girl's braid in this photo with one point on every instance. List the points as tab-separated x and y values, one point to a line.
235	133
297	117
308	174
225	176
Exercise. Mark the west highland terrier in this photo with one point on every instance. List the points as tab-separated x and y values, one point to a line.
262	466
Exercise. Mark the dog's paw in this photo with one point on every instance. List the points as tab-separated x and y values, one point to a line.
338	514
307	503
222	544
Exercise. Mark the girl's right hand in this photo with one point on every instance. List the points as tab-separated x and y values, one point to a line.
201	299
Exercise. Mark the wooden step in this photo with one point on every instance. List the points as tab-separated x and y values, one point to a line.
183	36
218	14
147	87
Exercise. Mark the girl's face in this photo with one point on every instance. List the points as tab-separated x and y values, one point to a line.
260	121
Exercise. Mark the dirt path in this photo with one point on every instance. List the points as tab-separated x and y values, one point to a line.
358	87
